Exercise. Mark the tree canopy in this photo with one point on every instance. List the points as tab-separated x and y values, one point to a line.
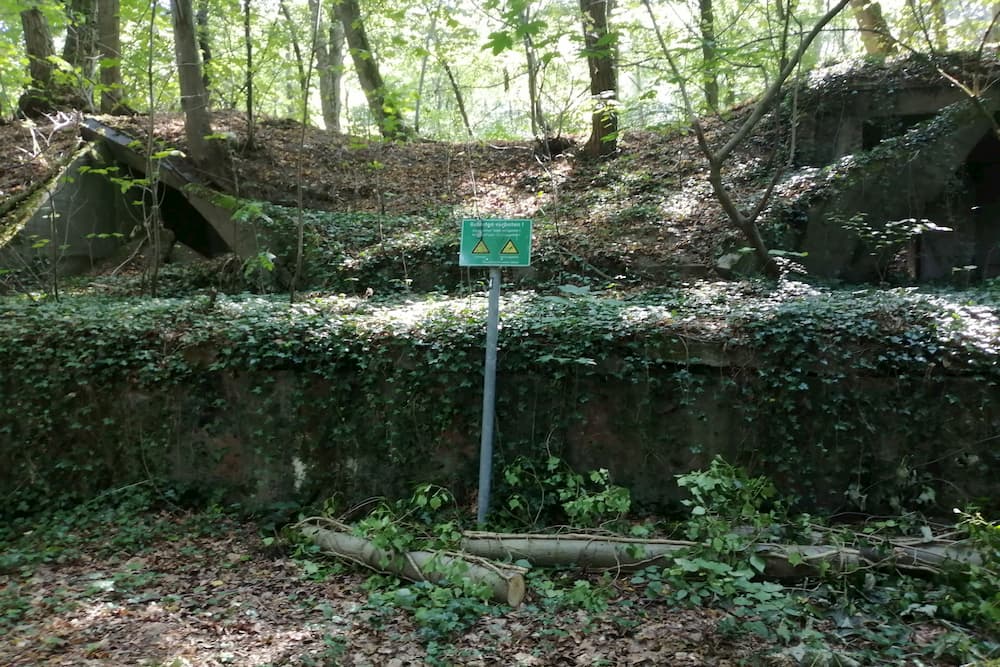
449	69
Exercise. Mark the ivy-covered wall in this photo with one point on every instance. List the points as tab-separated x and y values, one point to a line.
867	399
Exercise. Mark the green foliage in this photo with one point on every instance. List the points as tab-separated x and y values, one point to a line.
727	518
439	611
427	521
976	599
98	391
554	494
558	591
884	241
870	617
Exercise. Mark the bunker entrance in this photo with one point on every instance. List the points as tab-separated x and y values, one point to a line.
983	174
188	225
969	206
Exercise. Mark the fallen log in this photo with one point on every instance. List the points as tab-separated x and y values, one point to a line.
780	561
505	581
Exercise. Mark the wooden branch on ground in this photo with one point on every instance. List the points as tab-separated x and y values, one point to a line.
781	561
506	581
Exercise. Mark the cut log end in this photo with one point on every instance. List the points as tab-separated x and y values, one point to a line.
516	589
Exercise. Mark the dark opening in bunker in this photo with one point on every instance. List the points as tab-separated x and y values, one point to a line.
983	173
875	130
187	224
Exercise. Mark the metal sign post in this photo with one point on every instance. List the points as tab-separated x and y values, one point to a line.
489	397
492	243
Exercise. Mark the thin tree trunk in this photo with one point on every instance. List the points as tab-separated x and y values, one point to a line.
153	220
428	39
459	98
80	47
875	33
992	36
109	47
204	43
251	123
293	33
600	49
710	78
939	25
336	72
208	153
386	114
539	128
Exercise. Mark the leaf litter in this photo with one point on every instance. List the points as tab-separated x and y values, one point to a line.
206	590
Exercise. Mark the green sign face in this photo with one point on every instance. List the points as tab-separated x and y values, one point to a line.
495	242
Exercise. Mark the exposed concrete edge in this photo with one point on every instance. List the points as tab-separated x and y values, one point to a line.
14	219
242	238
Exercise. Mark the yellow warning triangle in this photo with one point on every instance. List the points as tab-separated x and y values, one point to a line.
508	248
480	248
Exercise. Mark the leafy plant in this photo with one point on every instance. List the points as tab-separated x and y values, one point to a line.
886	240
727	517
554	493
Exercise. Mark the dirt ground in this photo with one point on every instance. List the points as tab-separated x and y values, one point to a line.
182	589
653	198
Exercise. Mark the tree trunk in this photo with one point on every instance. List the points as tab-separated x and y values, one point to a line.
428	39
248	43
992	37
710	79
601	60
336	72
80	48
781	561
875	33
939	25
204	43
293	34
326	69
209	154
539	128
43	95
457	92
386	113
506	581
38	47
109	47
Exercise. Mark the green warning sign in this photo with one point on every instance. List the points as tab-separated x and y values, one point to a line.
495	242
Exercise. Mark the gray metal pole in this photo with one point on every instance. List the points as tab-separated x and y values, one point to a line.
489	396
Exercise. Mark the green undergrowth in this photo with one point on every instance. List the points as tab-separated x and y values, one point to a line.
39	529
869	615
860	399
41	532
354	252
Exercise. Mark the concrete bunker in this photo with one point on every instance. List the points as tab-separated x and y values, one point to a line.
86	216
917	150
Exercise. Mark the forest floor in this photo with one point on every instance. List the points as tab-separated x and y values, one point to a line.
651	203
178	589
